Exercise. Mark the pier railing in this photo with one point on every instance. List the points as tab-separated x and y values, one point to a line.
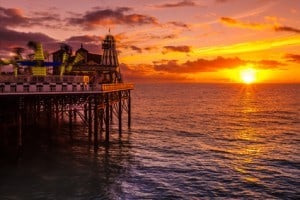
43	79
117	86
56	84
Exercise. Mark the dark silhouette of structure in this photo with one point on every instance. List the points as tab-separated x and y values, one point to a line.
85	85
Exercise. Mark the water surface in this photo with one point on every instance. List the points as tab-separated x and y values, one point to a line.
187	141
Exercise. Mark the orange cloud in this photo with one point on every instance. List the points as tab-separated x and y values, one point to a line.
286	28
236	23
293	58
258	26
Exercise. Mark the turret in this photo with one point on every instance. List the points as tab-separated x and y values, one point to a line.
110	56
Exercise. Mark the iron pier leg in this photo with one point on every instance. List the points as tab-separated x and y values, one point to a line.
107	119
75	114
101	121
20	124
70	120
90	120
95	123
57	111
85	112
111	114
120	113
129	110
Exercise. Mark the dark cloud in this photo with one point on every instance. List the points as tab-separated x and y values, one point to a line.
178	4
144	73
293	58
228	20
184	49
150	48
286	28
12	17
169	36
179	24
103	17
219	63
10	39
269	64
223	1
200	65
85	39
135	48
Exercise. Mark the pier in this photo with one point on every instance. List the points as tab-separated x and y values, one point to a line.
95	106
86	86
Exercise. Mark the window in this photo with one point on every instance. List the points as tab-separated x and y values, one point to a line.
1	88
52	88
26	88
13	88
74	88
39	88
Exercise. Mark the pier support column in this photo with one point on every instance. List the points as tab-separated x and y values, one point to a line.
90	119
56	111
111	114
120	113
20	126
129	110
20	136
85	110
95	122
75	114
70	120
101	121
62	108
107	118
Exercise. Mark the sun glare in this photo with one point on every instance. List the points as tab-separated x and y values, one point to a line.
248	75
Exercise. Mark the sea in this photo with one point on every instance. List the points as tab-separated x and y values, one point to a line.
187	141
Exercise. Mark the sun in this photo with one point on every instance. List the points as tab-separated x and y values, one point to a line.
248	75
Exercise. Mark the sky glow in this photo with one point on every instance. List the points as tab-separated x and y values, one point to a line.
167	41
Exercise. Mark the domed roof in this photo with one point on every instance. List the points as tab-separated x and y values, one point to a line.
82	49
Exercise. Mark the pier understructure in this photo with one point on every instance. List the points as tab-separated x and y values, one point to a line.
96	107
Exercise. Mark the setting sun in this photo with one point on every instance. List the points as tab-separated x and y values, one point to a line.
248	75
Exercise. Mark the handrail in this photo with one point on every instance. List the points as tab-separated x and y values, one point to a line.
42	79
117	86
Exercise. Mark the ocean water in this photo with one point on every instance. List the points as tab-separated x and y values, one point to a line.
187	141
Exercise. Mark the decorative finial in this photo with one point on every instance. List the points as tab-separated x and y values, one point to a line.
81	45
109	30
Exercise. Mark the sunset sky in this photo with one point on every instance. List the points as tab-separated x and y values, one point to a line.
164	40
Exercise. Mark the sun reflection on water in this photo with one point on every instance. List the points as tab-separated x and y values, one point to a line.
248	148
